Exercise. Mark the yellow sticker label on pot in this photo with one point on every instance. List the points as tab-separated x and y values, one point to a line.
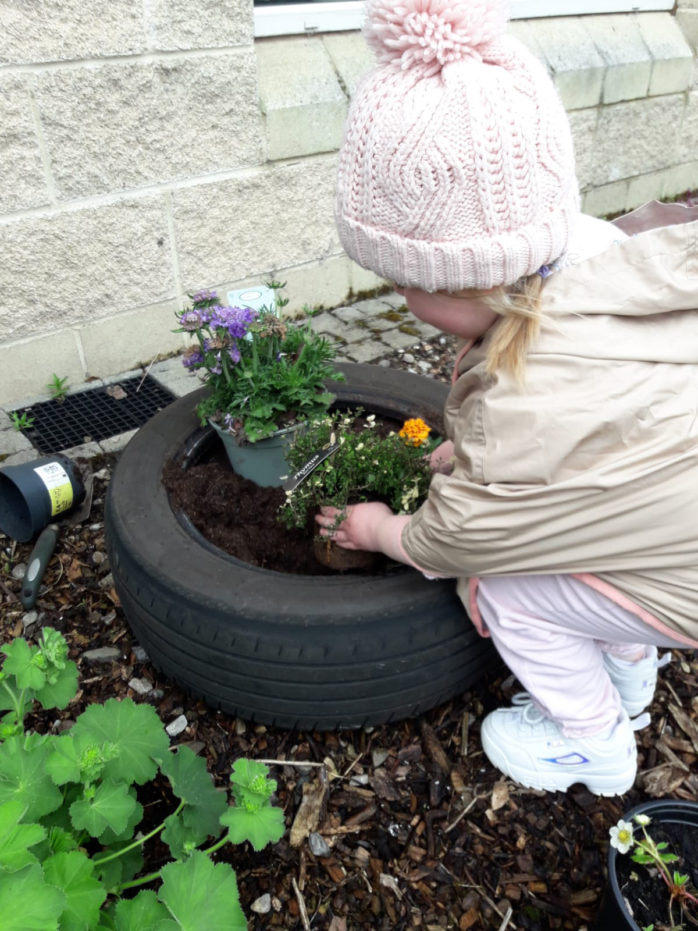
58	485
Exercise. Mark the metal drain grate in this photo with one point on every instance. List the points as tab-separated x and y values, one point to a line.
95	414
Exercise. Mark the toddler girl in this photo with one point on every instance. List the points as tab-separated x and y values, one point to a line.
565	501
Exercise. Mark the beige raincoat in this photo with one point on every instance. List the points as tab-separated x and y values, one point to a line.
591	468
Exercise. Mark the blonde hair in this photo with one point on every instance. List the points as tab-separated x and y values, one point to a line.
520	306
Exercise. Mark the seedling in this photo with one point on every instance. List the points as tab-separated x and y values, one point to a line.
21	421
58	387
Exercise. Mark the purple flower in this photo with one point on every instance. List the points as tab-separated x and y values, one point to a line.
203	296
236	320
234	353
190	320
216	369
192	358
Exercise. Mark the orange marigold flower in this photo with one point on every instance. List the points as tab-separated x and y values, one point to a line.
415	432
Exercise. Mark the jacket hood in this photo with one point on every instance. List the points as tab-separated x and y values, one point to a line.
654	271
634	289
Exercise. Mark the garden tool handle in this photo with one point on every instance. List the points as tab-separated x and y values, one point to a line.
40	555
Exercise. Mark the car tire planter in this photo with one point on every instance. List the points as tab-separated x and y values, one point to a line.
310	652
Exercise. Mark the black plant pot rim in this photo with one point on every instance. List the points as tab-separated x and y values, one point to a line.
669	811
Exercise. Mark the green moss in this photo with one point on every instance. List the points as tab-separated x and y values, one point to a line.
409	329
354	296
395	316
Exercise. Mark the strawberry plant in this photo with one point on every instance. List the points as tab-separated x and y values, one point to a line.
70	845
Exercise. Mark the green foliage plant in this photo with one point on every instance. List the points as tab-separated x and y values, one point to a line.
58	387
657	858
71	851
21	421
367	465
263	373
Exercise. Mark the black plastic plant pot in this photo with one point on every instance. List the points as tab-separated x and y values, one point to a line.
36	492
614	914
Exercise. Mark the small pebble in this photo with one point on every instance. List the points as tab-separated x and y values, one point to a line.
177	726
98	558
102	655
360	780
318	845
139	654
140	686
408	358
19	570
262	905
30	618
378	757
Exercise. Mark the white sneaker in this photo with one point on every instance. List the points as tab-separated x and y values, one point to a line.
531	749
635	682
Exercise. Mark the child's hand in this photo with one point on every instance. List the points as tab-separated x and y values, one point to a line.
358	530
369	526
441	458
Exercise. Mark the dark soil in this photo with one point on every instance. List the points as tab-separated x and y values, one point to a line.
415	829
242	518
646	894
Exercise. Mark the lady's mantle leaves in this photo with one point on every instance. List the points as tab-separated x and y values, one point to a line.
107	806
82	783
28	902
135	729
73	873
43	670
253	818
79	759
23	776
143	911
204	804
201	895
16	838
21	664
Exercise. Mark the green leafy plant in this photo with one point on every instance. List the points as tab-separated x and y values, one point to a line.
21	421
657	858
366	465
70	841
58	387
263	373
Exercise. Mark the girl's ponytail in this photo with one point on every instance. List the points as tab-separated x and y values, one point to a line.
520	306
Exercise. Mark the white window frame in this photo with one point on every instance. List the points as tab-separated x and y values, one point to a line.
308	18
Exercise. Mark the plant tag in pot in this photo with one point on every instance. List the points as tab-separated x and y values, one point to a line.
295	480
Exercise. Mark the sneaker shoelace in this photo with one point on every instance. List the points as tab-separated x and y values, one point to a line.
531	714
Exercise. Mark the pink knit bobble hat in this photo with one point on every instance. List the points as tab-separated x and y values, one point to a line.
457	166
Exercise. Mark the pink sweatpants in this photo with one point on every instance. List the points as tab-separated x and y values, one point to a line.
552	631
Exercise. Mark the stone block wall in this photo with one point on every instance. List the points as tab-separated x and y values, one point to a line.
149	148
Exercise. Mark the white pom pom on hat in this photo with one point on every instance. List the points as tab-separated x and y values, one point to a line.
457	166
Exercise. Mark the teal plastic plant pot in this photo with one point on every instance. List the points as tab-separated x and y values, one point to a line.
263	462
37	492
614	914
